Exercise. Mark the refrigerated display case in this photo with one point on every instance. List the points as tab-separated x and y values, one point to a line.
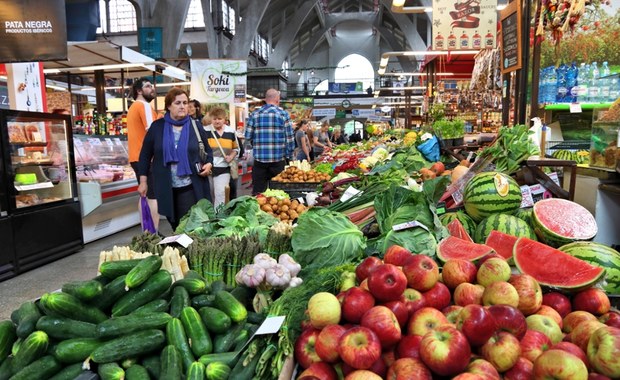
39	207
106	184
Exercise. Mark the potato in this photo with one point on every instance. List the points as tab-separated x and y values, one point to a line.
300	209
284	208
293	214
262	200
266	208
283	216
294	204
273	201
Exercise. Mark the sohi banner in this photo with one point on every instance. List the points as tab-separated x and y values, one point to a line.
32	30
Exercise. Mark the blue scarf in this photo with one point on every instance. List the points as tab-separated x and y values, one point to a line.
178	154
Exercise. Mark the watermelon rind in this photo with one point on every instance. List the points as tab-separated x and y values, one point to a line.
502	243
467	222
456	248
572	221
455	228
481	197
525	214
507	224
600	255
554	268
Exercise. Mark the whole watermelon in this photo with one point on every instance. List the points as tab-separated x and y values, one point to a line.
525	214
467	222
491	193
507	224
601	256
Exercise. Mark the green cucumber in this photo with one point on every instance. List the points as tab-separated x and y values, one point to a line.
228	358
194	286
143	294
217	371
40	369
103	280
215	320
245	370
31	349
29	314
64	328
136	372
68	306
217	285
83	290
241	339
128	346
179	300
147	267
197	334
193	274
75	350
256	318
18	342
231	306
111	371
225	342
70	372
126	363
177	337
110	294
113	269
6	368
196	371
128	324
244	294
153	365
8	336
203	300
171	363
157	305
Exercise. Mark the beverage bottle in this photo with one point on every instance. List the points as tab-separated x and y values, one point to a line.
451	41
582	82
562	92
464	41
439	42
605	83
593	85
488	40
552	85
571	84
95	122
542	83
477	41
614	89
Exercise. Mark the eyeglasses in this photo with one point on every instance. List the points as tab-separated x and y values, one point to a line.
147	85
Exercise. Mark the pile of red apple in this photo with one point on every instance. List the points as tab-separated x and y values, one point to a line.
405	320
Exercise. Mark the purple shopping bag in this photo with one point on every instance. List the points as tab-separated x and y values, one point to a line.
147	219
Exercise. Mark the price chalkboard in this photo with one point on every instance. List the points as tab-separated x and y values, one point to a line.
511	37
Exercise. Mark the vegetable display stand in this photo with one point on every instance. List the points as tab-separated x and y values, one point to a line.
294	189
532	174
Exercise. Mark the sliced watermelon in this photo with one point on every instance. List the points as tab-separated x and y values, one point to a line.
560	221
456	229
554	268
502	243
456	248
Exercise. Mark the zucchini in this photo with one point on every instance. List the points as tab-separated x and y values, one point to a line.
29	314
158	305
136	372
31	349
147	267
64	328
153	365
128	346
256	318
197	334
196	371
6	368
113	269
177	337
194	286
143	294
70	372
111	371
70	307
110	294
75	350
231	306
8	336
83	290
171	363
41	369
203	300
128	324
228	358
225	342
217	371
179	300
215	320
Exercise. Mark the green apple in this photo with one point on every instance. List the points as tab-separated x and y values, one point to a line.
604	351
500	293
559	365
545	325
493	270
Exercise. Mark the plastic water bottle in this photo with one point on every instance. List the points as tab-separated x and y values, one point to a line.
542	85
562	90
605	83
593	85
582	82
552	84
614	87
571	84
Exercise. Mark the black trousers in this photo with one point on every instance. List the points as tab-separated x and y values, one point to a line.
183	198
262	172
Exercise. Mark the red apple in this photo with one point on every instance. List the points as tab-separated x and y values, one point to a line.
573	349
597	376
319	370
424	320
366	266
387	282
379	367
502	350
500	293
510	319
422	272
483	369
400	311
413	299
611	318
592	300
452	312
458	271
488	256
362	374
397	255
582	333
409	346
445	350
355	303
389	356
305	352
326	346
383	322
530	293
551	313
408	369
493	270
476	323
559	365
438	296
466	294
574	318
359	347
533	344
604	351
558	301
522	370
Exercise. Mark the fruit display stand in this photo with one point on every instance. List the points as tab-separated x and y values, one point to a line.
295	189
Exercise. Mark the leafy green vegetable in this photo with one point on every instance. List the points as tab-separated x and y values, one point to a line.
511	147
200	213
416	240
325	238
324	167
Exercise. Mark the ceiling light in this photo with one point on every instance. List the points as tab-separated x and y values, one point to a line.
381	71
398	3
404	88
384	61
173	84
110	67
57	88
51	71
299	73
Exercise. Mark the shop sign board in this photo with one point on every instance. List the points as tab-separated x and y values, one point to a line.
329	113
33	30
511	37
363	112
464	24
216	80
150	41
345	88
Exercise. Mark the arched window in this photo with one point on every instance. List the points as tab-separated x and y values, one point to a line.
355	68
195	18
121	15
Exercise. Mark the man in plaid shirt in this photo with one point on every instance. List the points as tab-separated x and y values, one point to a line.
270	133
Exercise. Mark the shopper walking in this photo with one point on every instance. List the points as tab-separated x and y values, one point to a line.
270	134
301	138
140	116
223	143
172	151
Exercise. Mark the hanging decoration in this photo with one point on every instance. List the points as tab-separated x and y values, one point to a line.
560	16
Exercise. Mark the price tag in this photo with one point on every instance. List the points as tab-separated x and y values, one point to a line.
441	208
575	108
94	141
108	141
271	325
407	225
457	196
301	200
349	193
183	240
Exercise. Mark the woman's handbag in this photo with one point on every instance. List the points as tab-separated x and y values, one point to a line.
234	165
201	145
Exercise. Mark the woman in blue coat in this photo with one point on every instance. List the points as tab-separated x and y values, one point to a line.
171	148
